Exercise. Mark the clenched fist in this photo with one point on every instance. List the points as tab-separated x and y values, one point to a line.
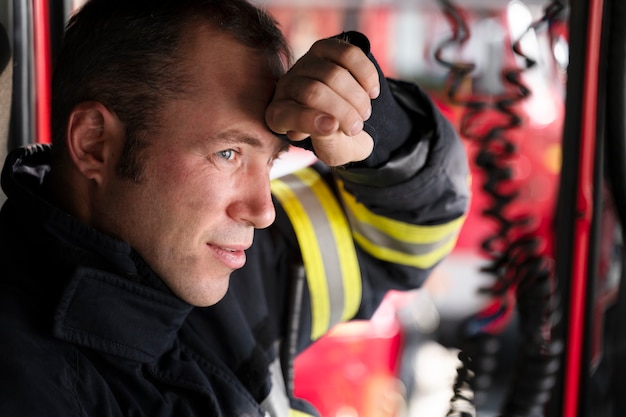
326	96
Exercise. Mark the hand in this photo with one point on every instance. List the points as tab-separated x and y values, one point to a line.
327	95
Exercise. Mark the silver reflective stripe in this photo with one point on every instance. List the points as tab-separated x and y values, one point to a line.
421	246
276	404
328	253
382	239
327	247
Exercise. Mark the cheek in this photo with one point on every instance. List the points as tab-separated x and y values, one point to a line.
190	194
174	181
191	191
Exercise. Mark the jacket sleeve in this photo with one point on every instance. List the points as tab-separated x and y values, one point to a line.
364	229
379	224
407	212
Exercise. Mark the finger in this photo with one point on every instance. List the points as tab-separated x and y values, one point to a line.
283	116
297	136
353	59
341	149
313	94
288	115
301	86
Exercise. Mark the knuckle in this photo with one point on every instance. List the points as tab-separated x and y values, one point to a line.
351	53
319	45
333	74
360	99
308	93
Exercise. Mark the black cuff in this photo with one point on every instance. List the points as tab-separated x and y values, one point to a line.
403	165
406	161
389	125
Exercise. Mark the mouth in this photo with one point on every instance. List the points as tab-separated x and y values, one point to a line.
233	257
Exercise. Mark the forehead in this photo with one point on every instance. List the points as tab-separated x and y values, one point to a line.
217	55
229	86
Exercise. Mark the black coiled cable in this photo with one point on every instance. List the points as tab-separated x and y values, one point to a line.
462	402
514	249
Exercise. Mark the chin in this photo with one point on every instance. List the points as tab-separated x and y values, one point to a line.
206	295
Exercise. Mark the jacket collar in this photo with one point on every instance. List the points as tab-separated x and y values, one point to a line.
106	312
113	301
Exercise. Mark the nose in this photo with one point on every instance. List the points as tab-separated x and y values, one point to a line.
254	203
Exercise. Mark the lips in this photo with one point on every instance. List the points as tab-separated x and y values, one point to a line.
233	257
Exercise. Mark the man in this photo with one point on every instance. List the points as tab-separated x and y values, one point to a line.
131	284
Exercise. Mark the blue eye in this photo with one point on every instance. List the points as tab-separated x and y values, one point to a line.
227	154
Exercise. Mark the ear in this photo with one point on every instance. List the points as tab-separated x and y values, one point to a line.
93	133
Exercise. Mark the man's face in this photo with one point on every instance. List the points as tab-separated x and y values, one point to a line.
205	178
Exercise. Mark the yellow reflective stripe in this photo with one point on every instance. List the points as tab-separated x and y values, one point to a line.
298	413
401	231
348	262
327	246
424	261
390	240
311	256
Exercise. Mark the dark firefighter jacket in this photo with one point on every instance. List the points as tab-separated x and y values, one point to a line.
87	329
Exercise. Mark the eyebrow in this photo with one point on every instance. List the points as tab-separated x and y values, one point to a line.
239	136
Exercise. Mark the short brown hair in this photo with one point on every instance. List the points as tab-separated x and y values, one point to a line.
125	54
